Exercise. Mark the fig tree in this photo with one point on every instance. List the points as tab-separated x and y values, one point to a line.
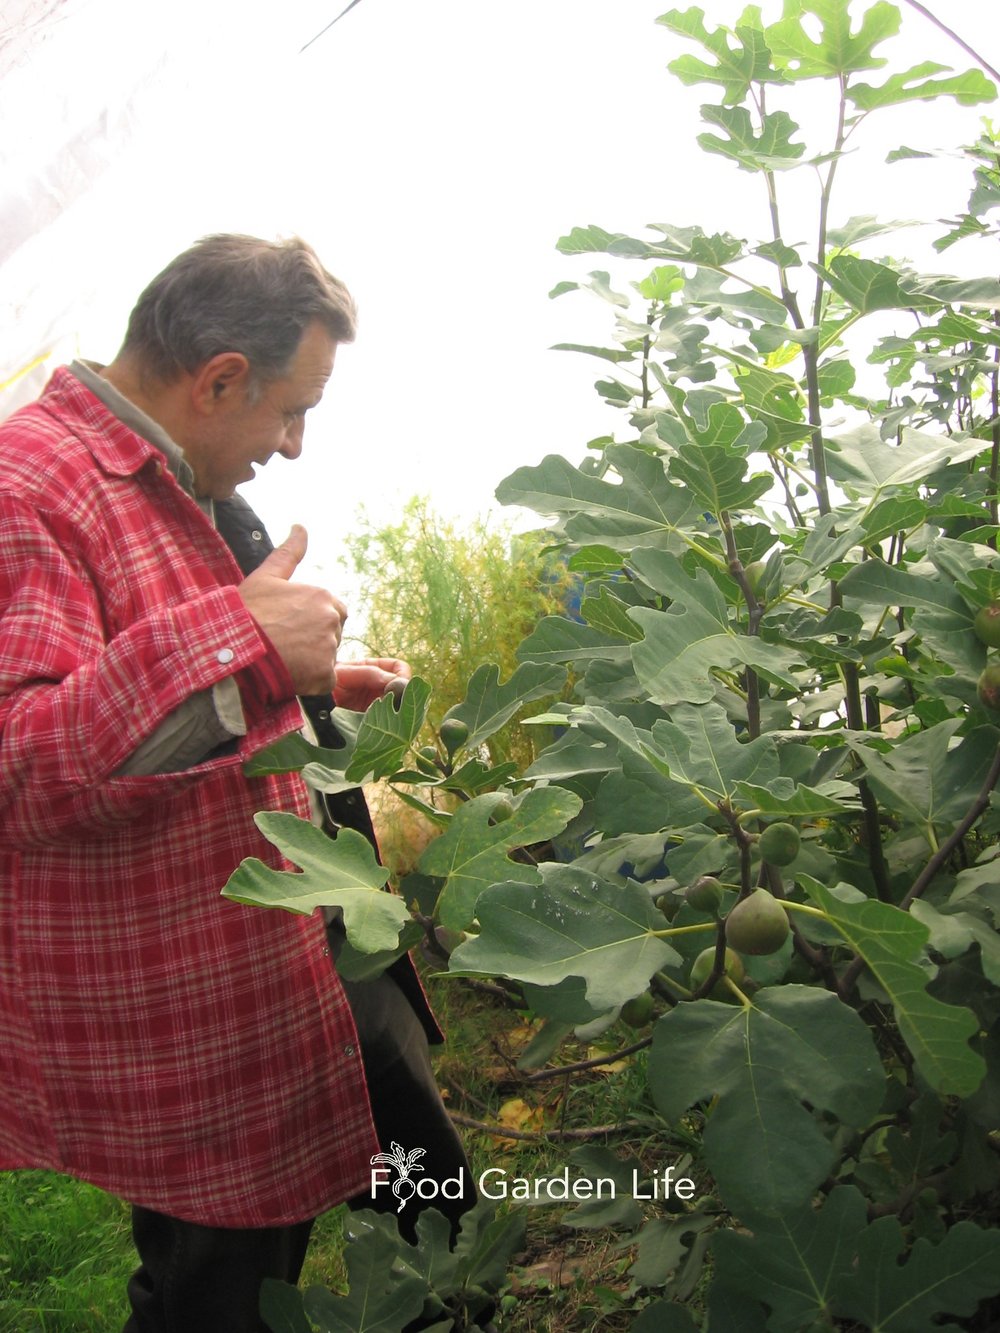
704	895
988	687
779	844
638	1011
986	625
758	924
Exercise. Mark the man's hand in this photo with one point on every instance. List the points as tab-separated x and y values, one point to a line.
361	683
305	624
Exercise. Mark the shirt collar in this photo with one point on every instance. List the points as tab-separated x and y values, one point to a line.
141	424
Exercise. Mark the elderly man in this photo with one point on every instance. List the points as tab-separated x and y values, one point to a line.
196	1057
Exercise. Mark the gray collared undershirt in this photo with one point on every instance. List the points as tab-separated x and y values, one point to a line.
211	717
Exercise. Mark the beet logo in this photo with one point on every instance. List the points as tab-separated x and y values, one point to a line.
405	1164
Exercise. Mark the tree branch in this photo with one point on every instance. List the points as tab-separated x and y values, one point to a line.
551	1135
857	965
598	1060
948	846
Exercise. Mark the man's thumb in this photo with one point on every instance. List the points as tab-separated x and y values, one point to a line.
282	561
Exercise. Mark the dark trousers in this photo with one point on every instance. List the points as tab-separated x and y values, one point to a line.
195	1279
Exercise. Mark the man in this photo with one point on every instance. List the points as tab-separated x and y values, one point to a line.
192	1055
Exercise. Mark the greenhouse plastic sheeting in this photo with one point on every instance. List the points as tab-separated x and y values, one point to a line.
104	107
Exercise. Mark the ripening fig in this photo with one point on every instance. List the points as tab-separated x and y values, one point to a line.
779	844
447	939
426	759
669	905
454	733
501	810
637	1012
986	625
702	966
754	573
988	687
704	895
758	924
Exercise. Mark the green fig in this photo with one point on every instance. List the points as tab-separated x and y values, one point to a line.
757	924
988	687
986	625
637	1012
704	895
669	904
501	810
702	966
754	574
454	733
426	759
779	844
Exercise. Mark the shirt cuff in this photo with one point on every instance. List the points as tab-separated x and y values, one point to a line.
265	683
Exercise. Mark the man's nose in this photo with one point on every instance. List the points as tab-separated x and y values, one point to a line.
292	445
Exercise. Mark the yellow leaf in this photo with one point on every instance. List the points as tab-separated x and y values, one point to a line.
518	1114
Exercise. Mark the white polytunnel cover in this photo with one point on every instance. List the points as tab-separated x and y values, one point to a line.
113	115
433	151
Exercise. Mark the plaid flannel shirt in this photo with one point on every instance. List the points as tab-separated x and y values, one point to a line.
190	1054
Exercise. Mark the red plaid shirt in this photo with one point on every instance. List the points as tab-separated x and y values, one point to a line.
187	1053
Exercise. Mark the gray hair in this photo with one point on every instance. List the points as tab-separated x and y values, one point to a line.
232	293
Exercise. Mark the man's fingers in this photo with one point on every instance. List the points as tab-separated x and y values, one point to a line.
284	559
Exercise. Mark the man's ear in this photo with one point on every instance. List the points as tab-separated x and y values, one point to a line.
219	381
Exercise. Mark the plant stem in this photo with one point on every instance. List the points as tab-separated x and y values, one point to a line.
816	958
646	347
857	965
977	808
872	824
545	1135
662	980
682	930
810	353
731	985
995	451
756	612
969	51
781	473
805	908
541	1075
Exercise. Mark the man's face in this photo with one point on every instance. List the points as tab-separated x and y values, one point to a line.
247	430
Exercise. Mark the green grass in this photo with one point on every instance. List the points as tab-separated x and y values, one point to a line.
65	1256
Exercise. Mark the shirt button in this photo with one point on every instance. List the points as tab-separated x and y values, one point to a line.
348	1050
326	952
225	655
257	535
